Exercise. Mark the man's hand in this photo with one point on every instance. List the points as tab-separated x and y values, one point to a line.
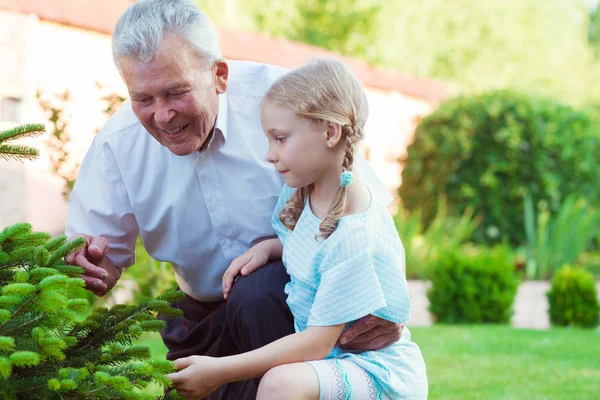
370	333
99	273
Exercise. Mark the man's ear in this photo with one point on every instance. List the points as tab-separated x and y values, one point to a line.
333	134
221	74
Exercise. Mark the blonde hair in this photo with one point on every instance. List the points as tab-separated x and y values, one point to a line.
323	90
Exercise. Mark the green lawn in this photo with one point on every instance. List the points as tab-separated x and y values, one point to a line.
496	362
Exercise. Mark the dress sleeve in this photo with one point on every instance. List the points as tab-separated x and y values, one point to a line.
347	291
280	229
100	205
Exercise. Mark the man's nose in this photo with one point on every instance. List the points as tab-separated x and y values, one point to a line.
163	113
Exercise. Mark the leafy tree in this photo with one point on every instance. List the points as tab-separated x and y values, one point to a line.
344	26
474	46
483	45
594	31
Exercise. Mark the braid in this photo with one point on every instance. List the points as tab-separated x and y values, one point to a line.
292	210
352	134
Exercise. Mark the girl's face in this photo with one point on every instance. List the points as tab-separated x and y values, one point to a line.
297	146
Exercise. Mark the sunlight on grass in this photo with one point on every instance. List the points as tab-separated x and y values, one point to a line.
473	362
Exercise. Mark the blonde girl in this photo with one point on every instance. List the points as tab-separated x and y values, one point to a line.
340	248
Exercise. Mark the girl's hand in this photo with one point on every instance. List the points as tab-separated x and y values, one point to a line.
198	376
256	257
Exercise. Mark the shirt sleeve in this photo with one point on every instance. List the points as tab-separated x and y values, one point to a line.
280	229
100	205
347	291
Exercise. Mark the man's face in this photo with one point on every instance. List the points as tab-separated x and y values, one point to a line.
175	95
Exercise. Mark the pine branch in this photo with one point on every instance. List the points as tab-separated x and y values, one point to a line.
20	310
18	152
27	130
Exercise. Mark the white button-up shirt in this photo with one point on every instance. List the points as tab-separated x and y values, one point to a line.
198	211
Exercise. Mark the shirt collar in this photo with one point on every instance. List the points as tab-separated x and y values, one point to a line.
221	122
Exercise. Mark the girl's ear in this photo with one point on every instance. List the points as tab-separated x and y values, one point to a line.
333	135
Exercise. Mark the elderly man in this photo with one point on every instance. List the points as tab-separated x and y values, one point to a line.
183	165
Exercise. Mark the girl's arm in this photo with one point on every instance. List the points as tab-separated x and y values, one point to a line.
257	256
199	376
314	343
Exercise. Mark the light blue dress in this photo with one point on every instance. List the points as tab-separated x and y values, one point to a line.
358	270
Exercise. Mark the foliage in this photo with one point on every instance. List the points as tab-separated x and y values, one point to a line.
54	105
573	299
474	46
61	161
344	26
488	151
472	286
553	241
423	246
19	152
487	45
594	31
44	351
148	278
590	261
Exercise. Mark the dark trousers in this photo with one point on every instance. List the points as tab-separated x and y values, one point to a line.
254	315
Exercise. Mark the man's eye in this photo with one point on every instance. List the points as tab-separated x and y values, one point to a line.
142	101
280	139
176	94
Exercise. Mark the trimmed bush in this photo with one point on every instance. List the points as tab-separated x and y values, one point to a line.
473	286
573	299
488	151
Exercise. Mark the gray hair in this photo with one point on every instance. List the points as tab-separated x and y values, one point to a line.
141	29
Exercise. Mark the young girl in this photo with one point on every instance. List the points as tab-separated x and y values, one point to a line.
340	248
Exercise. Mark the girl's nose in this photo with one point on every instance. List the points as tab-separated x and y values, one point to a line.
271	156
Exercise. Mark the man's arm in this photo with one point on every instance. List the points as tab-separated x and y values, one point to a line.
370	333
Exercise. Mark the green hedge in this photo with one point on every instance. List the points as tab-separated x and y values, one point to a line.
573	299
488	151
473	286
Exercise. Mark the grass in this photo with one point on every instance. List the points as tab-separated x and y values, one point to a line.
498	362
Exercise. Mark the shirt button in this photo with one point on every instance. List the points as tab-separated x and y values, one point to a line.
227	242
215	201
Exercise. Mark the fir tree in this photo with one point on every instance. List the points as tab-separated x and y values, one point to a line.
47	351
19	152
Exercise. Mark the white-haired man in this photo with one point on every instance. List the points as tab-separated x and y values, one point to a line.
183	165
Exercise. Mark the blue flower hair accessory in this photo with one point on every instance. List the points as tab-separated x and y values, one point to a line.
346	178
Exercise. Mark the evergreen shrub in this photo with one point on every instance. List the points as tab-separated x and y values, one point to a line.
488	151
573	299
472	285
